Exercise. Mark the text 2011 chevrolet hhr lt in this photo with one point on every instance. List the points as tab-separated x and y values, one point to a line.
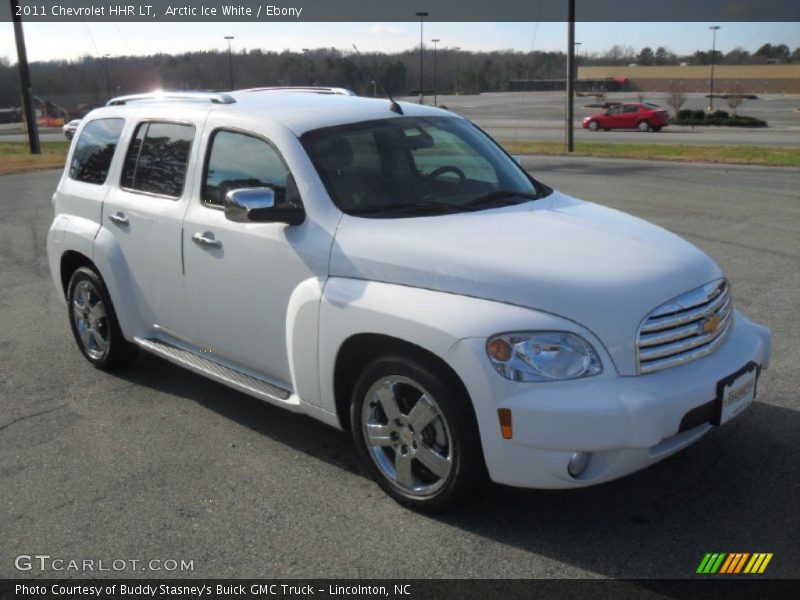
389	269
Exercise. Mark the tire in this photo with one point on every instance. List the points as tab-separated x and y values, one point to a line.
94	322
643	126
430	467
656	129
594	126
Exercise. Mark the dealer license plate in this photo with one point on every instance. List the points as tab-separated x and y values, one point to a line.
736	392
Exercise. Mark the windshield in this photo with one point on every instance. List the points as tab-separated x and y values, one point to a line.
416	165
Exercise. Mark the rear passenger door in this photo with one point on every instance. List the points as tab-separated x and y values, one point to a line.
144	211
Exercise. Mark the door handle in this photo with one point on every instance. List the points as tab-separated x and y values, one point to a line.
206	239
119	219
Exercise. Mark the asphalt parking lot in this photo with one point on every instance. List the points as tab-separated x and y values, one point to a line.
154	462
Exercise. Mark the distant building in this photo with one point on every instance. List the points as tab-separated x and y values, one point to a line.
750	79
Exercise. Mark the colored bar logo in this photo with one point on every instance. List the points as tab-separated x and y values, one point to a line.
734	563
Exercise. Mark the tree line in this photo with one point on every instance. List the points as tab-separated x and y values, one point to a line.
92	80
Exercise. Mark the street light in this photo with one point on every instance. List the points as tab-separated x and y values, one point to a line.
457	49
230	59
435	88
577	56
713	29
108	79
305	66
421	16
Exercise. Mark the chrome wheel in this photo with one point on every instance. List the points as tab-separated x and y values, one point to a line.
593	126
407	436
90	319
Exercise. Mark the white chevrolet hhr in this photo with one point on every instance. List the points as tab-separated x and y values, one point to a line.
387	268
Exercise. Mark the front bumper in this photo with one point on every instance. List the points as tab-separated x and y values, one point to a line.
627	423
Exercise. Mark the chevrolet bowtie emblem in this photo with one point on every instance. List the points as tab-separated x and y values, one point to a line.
711	324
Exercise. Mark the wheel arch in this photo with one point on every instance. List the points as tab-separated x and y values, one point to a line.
71	261
360	349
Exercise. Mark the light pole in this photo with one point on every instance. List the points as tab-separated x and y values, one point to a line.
435	87
305	66
421	16
108	79
457	49
570	76
230	59
713	29
577	56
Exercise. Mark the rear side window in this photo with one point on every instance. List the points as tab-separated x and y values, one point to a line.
157	158
237	160
631	109
94	150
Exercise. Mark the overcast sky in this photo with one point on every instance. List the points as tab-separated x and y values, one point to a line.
47	41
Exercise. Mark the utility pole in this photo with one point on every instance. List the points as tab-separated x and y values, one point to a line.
713	29
25	82
230	59
435	87
457	50
421	16
570	74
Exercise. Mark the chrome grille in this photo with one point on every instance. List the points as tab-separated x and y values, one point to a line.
686	328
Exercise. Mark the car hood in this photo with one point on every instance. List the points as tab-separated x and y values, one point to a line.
599	267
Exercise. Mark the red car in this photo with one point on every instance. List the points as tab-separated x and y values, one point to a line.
643	117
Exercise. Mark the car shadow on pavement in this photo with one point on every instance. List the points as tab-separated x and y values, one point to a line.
735	490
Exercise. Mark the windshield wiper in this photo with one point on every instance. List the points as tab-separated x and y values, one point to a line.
404	208
498	198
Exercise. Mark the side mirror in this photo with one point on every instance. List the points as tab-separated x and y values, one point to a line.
257	205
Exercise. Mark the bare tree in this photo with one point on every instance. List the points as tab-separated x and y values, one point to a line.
675	97
640	95
735	98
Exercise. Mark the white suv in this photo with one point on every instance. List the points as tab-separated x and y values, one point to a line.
387	268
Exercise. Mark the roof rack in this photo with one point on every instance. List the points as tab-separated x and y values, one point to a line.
164	96
309	89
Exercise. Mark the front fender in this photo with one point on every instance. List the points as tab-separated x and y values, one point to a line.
435	321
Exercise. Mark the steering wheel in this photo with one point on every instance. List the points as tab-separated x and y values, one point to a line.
447	169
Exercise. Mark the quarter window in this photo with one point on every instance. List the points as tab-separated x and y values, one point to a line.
94	150
238	160
157	158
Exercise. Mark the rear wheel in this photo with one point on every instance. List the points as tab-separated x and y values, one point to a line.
94	322
594	126
418	439
656	128
644	126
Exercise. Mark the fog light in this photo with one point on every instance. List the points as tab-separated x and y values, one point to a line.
578	463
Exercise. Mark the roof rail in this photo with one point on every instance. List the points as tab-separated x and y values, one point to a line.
309	89
165	96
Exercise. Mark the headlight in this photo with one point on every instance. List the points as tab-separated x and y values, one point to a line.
542	356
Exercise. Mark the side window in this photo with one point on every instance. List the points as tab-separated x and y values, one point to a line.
631	109
615	111
238	160
94	150
157	158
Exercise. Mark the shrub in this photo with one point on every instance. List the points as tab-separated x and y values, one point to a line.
684	114
699	114
720	114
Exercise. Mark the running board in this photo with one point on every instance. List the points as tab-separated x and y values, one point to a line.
225	375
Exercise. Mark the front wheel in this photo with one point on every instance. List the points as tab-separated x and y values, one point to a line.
644	126
94	322
593	126
416	433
